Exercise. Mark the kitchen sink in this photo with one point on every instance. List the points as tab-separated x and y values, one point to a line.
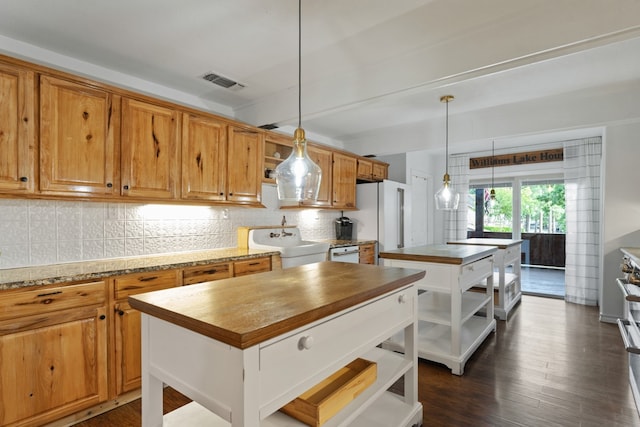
288	241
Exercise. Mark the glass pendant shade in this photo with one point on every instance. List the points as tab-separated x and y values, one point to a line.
298	177
446	198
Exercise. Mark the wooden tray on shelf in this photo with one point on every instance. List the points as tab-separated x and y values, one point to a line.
321	402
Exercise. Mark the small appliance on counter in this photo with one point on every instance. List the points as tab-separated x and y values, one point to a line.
344	228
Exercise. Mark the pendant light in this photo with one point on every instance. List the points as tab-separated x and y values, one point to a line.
298	177
446	198
491	203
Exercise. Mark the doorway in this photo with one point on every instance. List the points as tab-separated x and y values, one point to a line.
530	210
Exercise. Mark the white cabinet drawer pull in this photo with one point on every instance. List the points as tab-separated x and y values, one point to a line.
402	298
305	343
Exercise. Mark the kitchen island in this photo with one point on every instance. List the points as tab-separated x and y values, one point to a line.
242	348
506	284
452	321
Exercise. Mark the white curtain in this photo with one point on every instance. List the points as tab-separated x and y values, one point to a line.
582	198
455	222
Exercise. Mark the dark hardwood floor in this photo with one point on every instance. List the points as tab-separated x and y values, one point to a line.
550	364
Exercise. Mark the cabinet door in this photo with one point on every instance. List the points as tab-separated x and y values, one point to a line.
17	133
126	323
322	158
52	365
149	150
204	158
344	181
244	165
380	171
128	366
365	169
78	139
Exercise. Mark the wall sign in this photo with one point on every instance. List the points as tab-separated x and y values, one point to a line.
526	158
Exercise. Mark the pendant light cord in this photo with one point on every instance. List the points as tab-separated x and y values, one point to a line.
446	156
299	63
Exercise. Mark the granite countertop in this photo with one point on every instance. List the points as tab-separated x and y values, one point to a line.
90	270
333	243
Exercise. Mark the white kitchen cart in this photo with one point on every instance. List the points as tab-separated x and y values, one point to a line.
506	285
242	348
452	320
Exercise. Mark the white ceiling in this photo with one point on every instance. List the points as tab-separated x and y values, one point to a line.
365	63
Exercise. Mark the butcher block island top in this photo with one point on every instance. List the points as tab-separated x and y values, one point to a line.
481	241
443	254
245	311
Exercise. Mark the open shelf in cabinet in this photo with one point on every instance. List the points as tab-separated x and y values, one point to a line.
275	152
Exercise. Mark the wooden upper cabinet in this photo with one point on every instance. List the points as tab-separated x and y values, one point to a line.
17	129
204	158
380	171
150	163
365	169
78	139
344	181
322	158
244	165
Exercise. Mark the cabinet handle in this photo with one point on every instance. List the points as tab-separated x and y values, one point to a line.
120	313
230	194
24	179
126	187
148	279
222	194
109	185
49	293
102	317
305	343
402	298
212	271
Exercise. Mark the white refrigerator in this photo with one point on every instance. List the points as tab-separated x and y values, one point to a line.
384	214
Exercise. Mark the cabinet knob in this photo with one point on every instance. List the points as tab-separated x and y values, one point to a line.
402	298
120	313
126	187
24	179
109	185
230	194
305	343
102	317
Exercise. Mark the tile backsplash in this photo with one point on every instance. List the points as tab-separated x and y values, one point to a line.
39	232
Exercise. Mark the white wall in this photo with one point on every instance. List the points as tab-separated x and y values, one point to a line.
621	208
38	232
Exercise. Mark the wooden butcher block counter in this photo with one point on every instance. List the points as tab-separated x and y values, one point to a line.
242	348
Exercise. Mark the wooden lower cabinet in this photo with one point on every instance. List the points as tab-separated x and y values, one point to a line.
367	253
251	266
126	323
53	352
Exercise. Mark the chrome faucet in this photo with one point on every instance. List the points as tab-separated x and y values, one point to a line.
284	222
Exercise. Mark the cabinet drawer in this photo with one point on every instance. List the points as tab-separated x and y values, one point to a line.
511	254
367	254
320	346
144	282
251	266
475	272
206	273
39	300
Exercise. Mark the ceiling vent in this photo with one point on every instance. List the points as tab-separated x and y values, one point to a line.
221	81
